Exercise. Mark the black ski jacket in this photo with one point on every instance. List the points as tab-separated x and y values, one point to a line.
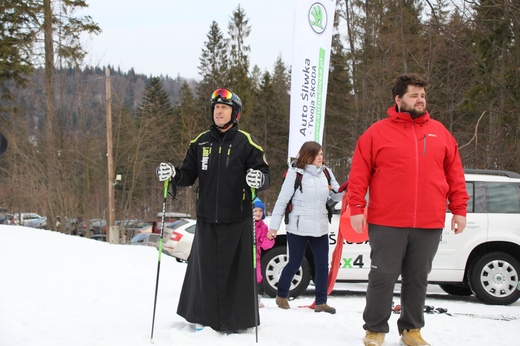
220	161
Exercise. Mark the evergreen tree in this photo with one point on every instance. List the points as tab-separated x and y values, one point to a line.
239	30
156	137
39	32
271	117
155	114
391	39
469	55
22	27
127	142
213	67
188	122
238	78
450	65
17	37
340	121
495	88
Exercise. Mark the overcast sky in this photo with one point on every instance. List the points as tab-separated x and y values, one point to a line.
167	36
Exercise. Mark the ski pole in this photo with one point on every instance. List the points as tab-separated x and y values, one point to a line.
254	264
160	252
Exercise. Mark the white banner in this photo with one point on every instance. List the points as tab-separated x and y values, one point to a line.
312	36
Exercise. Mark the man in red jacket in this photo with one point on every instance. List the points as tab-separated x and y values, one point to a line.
410	165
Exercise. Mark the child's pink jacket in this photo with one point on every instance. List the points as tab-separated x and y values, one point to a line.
262	243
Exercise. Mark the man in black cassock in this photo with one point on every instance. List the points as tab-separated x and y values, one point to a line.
218	289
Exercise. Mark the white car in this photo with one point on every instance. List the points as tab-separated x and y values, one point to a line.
178	237
146	239
30	220
484	260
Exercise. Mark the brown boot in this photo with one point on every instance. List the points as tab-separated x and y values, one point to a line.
324	308
373	339
413	337
282	303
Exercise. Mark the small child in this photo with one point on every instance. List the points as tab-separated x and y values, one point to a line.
262	243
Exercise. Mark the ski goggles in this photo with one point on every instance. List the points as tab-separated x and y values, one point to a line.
223	94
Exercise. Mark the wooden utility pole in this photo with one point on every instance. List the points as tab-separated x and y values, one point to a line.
112	231
52	148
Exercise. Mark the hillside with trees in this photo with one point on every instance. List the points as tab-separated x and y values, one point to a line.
53	108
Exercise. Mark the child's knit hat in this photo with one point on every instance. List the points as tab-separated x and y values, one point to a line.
259	204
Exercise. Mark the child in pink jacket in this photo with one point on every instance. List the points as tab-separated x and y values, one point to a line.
262	243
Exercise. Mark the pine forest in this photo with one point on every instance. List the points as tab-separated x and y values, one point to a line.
53	107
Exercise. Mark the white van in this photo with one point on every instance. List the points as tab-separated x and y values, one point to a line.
484	260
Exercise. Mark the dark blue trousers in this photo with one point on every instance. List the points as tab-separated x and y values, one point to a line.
320	250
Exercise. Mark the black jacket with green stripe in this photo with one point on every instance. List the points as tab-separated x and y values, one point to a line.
220	162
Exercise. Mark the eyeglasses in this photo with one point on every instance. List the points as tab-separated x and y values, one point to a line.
224	94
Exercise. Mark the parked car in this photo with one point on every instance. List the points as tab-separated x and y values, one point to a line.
96	226
178	237
70	225
484	260
146	239
128	227
6	218
147	227
171	216
30	220
99	237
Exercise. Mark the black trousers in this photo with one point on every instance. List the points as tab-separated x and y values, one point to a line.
408	252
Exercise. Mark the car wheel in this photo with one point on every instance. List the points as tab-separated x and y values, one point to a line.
273	262
493	278
457	289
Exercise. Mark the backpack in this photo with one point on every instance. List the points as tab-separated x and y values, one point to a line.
298	185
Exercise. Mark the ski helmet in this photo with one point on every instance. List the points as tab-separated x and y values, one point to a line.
227	97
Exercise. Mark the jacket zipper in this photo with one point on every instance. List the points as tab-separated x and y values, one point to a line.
416	173
228	154
218	180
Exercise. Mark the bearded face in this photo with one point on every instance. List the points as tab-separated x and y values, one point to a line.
413	101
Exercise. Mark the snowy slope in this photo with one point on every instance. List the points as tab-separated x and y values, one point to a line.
59	290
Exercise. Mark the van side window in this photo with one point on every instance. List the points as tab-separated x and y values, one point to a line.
470	187
502	197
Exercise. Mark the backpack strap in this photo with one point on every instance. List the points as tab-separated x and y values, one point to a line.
297	185
327	205
298	182
327	174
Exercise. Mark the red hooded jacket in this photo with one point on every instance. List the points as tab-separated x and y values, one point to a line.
411	168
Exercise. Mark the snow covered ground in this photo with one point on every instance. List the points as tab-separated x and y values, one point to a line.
60	290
